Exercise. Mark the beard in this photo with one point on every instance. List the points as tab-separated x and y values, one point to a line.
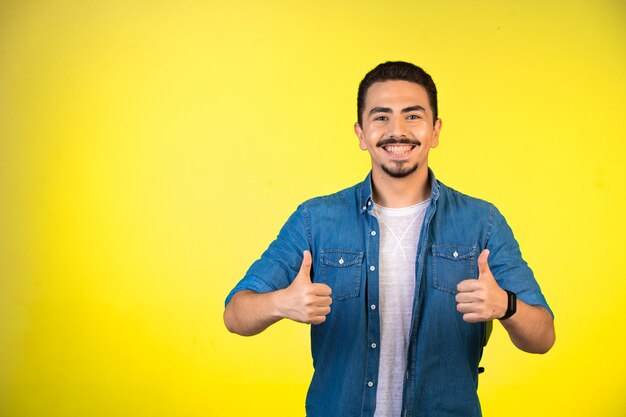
399	169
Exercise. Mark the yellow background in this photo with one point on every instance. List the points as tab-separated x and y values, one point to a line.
151	150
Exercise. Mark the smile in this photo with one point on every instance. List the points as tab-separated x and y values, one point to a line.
398	149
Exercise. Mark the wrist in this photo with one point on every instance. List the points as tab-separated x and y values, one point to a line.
278	310
511	307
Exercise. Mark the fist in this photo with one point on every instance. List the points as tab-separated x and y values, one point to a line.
481	299
304	301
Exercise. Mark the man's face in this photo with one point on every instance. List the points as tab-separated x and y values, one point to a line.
397	128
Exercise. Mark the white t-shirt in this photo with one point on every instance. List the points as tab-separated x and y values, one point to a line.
399	236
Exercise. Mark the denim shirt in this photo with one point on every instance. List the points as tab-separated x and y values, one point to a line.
444	351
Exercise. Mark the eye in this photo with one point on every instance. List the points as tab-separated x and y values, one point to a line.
413	117
381	118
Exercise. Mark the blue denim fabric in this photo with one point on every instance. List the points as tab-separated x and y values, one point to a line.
444	351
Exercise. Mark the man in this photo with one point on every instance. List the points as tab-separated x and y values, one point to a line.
399	275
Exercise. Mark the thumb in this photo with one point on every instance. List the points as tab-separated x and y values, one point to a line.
305	267
483	265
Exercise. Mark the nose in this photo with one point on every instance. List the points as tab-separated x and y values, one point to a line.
398	127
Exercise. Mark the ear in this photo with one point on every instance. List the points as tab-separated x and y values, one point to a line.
359	134
436	130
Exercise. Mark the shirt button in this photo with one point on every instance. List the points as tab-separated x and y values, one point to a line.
370	384
373	233
372	268
373	306
363	208
373	345
341	261
369	203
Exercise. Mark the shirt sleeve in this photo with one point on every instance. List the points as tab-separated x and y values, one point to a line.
280	263
507	265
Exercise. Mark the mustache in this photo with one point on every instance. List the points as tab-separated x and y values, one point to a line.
394	140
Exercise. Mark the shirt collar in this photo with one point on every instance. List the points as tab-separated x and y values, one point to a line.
366	201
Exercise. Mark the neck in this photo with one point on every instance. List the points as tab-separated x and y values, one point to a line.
400	192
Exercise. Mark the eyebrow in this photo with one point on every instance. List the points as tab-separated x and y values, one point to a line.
404	110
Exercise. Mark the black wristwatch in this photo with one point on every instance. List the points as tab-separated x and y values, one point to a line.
511	307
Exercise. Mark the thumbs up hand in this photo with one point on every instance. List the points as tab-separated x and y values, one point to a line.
481	299
304	301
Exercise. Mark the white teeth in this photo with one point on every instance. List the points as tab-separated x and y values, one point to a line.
398	149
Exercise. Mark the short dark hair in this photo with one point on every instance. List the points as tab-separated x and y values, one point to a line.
397	70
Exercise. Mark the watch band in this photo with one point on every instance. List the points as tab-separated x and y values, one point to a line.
511	307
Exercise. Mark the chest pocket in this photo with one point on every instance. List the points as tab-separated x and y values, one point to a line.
341	271
453	264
